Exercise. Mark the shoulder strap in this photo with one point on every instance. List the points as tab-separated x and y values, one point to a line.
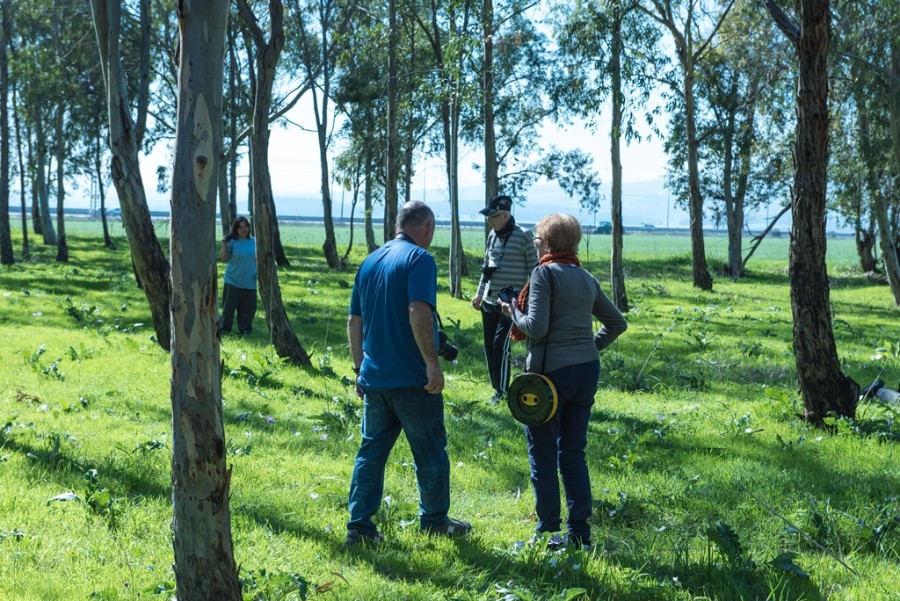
547	338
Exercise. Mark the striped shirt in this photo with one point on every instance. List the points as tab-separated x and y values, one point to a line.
514	257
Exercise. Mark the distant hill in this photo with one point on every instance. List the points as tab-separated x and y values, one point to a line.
642	203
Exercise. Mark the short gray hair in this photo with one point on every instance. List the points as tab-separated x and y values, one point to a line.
414	213
559	231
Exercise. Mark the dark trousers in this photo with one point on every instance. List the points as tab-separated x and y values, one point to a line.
244	302
496	345
557	449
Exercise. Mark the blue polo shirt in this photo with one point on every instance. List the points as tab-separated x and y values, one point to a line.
240	271
388	280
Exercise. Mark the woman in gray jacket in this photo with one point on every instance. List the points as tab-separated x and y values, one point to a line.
555	311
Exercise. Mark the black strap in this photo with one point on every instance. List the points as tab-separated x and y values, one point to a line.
547	337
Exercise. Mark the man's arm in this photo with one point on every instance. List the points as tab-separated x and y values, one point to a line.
355	338
421	321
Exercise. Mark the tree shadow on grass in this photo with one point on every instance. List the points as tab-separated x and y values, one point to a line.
751	581
480	566
68	470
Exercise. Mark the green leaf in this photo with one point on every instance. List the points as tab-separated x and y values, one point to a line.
726	539
785	562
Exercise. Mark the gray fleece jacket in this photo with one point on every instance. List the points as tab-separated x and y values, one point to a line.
564	329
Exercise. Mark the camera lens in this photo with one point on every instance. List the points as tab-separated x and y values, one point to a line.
446	350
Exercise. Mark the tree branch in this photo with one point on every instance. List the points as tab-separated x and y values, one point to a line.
250	21
806	536
784	22
757	240
715	30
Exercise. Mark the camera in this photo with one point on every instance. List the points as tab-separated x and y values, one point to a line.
229	237
508	294
446	350
488	270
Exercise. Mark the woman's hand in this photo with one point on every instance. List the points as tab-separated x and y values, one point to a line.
508	308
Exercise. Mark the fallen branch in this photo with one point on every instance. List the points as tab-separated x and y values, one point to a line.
808	538
757	240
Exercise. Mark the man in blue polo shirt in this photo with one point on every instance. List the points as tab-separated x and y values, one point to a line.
393	338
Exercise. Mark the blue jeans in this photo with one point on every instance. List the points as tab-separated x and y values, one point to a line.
557	447
420	415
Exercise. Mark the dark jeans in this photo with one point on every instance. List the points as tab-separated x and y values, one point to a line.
420	415
496	345
559	445
244	302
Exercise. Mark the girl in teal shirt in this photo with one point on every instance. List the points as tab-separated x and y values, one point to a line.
239	254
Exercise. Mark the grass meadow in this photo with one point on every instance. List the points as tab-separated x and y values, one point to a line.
706	485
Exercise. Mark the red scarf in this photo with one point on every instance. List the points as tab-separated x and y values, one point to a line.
566	257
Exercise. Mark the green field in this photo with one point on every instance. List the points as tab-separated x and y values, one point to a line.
706	484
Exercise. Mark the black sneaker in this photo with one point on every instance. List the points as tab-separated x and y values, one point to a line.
495	400
580	542
355	537
451	528
548	541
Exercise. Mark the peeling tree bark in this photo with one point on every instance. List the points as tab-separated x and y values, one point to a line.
205	568
264	222
150	264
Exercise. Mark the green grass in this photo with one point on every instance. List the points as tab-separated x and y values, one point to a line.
702	474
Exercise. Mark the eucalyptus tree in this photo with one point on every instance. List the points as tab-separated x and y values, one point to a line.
361	97
237	115
321	27
392	158
529	86
6	248
520	88
860	170
525	85
416	120
824	387
252	48
868	37
204	565
609	48
74	113
100	170
450	31
20	154
382	94
268	51
35	71
692	26
125	137
741	95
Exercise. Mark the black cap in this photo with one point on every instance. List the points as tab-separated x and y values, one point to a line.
501	202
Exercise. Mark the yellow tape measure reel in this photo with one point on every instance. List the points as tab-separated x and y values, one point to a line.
532	399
